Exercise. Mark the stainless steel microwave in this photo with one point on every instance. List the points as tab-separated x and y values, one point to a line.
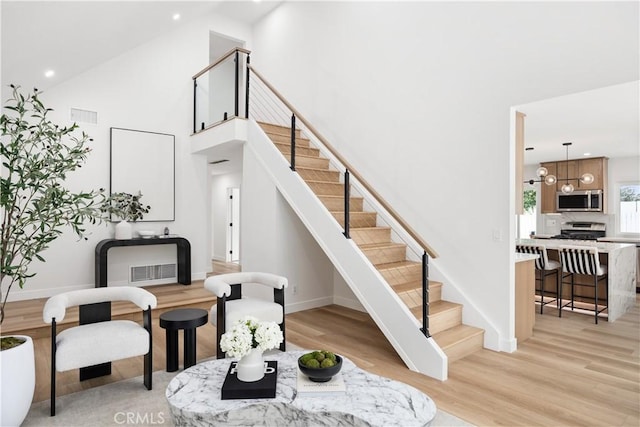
580	201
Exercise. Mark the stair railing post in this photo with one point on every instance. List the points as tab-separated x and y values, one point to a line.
293	142
246	91
346	203
425	294
237	85
195	86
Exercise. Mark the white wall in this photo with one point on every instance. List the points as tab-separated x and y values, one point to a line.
274	240
417	96
219	205
148	88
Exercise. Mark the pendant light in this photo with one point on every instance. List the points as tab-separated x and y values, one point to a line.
586	178
567	187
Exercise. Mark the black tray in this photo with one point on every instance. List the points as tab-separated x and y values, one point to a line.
233	388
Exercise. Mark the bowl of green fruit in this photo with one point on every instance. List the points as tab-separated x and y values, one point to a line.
320	366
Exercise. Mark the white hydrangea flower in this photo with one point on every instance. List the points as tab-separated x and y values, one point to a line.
268	335
248	333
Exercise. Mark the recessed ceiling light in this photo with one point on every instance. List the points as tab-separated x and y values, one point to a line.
587	154
256	1
529	148
49	73
176	16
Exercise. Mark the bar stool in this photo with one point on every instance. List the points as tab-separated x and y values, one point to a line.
584	260
544	268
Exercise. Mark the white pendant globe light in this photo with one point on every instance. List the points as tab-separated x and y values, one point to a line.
567	188
587	178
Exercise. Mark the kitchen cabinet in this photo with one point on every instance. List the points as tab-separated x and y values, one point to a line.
597	166
567	169
548	192
525	315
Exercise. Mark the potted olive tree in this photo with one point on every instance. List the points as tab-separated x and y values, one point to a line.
37	155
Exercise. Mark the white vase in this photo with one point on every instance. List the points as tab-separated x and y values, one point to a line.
123	230
251	367
18	381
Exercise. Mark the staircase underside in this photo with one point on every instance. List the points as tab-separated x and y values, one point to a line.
388	257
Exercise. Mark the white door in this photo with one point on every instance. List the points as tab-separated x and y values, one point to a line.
233	230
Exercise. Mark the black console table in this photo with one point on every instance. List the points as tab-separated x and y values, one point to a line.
184	255
92	313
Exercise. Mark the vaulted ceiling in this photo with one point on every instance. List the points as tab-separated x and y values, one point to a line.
71	37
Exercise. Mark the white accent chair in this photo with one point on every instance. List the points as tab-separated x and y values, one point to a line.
544	267
96	343
232	306
584	260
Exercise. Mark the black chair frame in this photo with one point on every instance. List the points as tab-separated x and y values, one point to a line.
541	275
596	281
221	322
148	358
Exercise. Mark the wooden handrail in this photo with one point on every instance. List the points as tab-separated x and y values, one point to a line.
427	248
219	60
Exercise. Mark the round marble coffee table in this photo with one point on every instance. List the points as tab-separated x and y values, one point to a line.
195	399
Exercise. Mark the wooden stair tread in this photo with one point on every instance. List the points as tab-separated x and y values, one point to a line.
315	181
433	284
298	147
307	168
342	198
441	306
457	334
364	228
354	213
381	245
282	128
435	288
308	157
399	264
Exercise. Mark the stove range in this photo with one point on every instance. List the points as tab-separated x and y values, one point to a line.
582	231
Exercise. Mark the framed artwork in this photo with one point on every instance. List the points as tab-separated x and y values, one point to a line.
145	161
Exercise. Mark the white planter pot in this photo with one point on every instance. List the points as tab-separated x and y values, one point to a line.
18	381
123	230
251	367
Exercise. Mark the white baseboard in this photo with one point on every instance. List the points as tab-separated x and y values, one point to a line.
307	305
508	346
349	303
29	294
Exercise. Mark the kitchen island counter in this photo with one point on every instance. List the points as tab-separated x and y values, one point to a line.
620	259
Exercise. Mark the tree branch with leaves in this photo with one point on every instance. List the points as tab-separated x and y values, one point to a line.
37	155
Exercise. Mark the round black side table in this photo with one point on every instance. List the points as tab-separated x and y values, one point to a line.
182	318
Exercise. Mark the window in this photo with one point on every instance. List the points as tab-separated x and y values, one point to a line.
527	221
629	208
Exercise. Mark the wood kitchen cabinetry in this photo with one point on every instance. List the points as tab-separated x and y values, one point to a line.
548	192
597	166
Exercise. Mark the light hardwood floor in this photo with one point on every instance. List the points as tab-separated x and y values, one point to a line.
571	372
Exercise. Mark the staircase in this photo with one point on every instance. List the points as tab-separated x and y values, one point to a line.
388	257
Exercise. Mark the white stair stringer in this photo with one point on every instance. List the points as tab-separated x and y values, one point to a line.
394	319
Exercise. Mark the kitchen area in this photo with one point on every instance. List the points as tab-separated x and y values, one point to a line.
580	186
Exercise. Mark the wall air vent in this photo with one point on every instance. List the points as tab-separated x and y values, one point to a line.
148	273
84	116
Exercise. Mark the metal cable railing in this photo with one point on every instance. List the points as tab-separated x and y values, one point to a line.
264	104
